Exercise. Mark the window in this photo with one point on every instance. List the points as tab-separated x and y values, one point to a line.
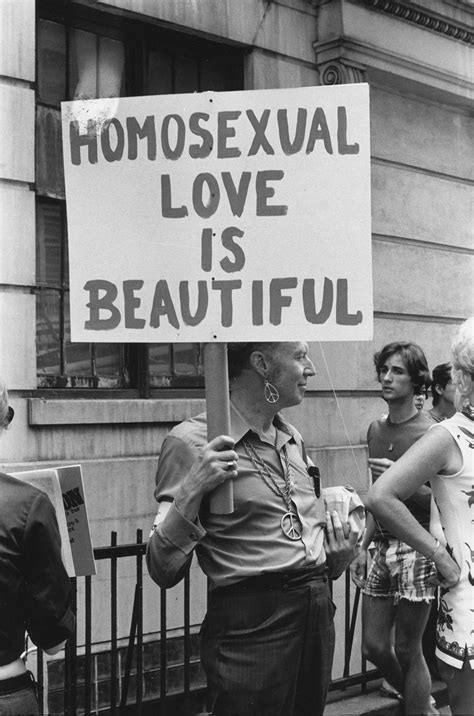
83	53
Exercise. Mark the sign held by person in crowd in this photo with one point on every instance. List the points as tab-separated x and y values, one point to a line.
65	488
216	217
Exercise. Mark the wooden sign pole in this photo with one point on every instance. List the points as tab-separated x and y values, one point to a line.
218	415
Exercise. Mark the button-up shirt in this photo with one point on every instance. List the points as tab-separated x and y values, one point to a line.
249	541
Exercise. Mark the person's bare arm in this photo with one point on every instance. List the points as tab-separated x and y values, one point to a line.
422	496
428	456
359	563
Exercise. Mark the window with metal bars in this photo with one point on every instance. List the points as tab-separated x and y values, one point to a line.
83	53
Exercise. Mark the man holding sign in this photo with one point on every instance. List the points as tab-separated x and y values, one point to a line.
268	636
233	216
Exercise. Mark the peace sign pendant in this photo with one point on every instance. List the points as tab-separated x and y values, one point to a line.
291	526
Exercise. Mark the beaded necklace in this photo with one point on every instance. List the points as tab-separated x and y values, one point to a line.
290	522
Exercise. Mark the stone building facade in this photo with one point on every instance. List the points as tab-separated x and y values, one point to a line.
109	408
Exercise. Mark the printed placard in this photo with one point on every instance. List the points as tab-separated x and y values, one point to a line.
75	508
64	487
220	216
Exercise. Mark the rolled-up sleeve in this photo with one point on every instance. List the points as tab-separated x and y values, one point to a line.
173	540
48	614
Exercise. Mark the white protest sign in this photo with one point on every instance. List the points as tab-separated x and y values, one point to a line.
228	216
65	488
47	480
75	508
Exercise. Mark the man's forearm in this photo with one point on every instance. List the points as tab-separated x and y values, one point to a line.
166	565
188	503
170	547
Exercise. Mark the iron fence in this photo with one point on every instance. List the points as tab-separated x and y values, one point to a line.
125	694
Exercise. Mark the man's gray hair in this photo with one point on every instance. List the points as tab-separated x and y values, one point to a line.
463	347
4	411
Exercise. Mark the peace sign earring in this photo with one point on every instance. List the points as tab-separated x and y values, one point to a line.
270	392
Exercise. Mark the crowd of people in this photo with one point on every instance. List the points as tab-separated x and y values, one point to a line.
444	457
268	638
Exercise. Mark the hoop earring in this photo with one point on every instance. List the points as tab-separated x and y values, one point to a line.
270	392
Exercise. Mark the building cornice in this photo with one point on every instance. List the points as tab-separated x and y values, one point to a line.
405	11
360	56
343	60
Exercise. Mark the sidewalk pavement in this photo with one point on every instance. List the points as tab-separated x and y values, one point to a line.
352	703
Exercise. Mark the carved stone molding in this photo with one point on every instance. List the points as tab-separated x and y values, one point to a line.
419	17
338	73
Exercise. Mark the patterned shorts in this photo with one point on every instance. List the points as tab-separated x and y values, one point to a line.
398	571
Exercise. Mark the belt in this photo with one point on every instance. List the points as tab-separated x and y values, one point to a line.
275	580
16	683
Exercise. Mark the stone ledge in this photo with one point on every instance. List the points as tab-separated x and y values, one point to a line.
42	412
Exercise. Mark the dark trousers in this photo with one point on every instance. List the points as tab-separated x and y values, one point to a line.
429	641
18	696
267	646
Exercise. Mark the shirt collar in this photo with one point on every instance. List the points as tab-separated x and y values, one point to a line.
239	426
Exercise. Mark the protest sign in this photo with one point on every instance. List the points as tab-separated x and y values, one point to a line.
47	480
74	503
217	217
64	487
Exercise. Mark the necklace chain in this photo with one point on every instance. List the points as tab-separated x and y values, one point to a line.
290	522
267	476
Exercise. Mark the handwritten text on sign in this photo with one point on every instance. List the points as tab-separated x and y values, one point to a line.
220	216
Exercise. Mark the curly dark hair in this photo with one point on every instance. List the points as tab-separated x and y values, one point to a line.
441	376
415	362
